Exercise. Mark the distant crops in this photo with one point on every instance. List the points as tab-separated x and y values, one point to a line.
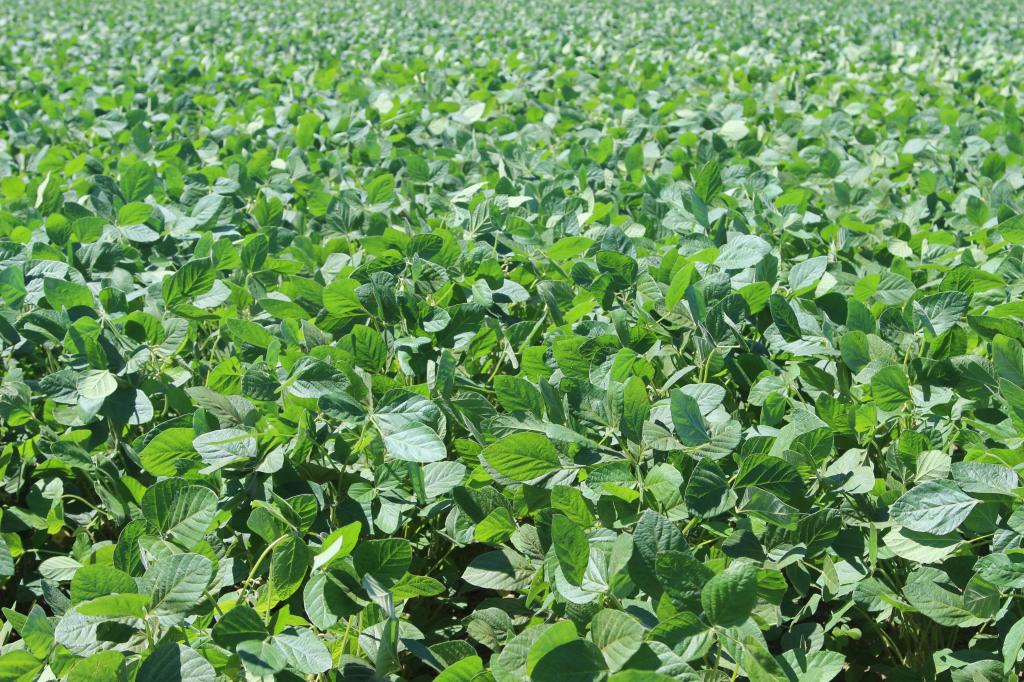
555	341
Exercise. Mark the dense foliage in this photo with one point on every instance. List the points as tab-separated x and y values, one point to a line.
528	340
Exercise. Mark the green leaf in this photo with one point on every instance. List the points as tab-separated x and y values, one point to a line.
570	501
245	332
681	281
415	442
928	591
177	584
569	247
742	251
985	478
380	190
37	633
708	182
261	659
105	665
636	409
7	561
766	506
510	664
306	129
784	318
562	632
496	527
338	545
97	384
640	676
522	456
1008	358
755	659
19	665
940	312
813	666
167	451
936	507
1012	646
504	569
687	419
324	600
367	347
806	274
571	548
223	447
303	650
655	534
312	378
707	493
137	181
888	287
682	576
61	293
340	300
889	388
1003	569
1014	396
729	597
171	662
575	661
288	563
192	279
180	510
240	624
206	210
134	214
93	580
855	349
116	606
618	636
386	560
464	670
416	586
518	395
